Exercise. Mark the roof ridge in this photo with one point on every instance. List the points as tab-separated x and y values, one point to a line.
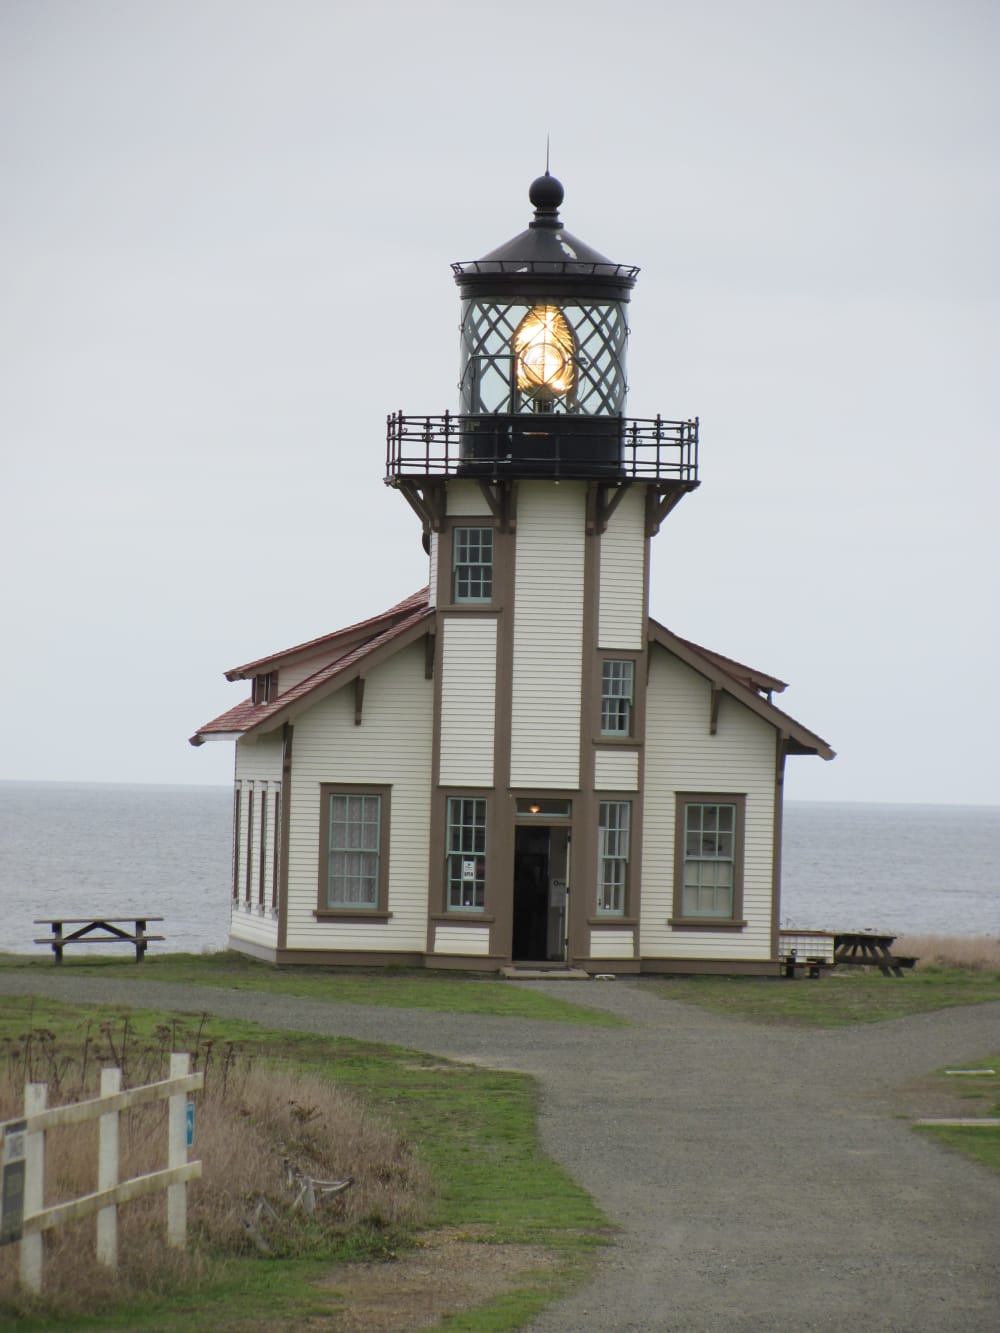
418	598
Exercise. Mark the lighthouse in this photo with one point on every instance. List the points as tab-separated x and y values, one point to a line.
516	766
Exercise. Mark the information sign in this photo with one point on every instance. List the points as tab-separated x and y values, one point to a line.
12	1181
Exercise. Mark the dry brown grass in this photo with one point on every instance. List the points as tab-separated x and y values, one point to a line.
978	952
251	1124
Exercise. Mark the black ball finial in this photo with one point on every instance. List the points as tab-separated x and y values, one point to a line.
546	192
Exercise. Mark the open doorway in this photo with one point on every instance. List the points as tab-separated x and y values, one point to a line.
541	868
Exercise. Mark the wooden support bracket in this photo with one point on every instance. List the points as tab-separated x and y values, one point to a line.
713	718
430	646
660	499
501	496
359	699
427	502
603	498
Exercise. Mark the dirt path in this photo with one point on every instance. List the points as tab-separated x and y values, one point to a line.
762	1179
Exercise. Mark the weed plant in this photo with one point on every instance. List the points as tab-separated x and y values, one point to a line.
260	1133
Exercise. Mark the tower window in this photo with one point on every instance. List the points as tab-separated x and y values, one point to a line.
472	564
617	695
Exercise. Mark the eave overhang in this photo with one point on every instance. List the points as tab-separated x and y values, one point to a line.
797	739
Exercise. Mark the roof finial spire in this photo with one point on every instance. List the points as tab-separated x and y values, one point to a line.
546	155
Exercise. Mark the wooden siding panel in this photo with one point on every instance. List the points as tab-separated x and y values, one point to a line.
681	755
255	928
616	770
468	698
467	499
392	746
622	609
612	944
462	940
259	760
548	652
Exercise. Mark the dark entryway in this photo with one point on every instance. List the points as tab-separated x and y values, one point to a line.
540	868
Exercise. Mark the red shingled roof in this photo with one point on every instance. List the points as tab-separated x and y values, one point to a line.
384	634
747	675
363	630
395	626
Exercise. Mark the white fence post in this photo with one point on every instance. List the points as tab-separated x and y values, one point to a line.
107	1171
35	1098
180	1065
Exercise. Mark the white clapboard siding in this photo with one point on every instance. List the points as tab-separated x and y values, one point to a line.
682	756
462	940
252	926
251	843
548	653
260	759
612	944
468	666
622	608
616	770
466	499
392	746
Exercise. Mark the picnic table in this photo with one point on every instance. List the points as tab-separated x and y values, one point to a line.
869	948
98	930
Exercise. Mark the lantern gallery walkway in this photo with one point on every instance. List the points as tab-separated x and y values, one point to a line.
761	1179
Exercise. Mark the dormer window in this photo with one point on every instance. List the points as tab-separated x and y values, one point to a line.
264	688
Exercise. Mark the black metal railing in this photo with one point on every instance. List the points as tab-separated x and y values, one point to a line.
502	445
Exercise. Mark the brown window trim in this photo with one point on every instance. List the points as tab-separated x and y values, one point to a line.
446	568
705	923
350	914
380	911
457	917
611	922
678	921
618	737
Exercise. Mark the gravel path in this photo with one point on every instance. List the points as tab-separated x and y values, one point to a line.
762	1178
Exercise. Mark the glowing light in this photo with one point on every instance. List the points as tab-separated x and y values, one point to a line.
544	353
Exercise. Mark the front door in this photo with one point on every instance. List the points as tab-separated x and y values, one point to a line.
540	874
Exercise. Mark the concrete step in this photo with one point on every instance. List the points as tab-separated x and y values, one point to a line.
544	974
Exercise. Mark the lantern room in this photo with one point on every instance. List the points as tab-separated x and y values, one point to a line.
542	370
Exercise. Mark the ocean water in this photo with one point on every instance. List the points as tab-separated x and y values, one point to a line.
69	849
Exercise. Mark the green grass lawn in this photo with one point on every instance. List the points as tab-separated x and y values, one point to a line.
859	996
474	1129
400	988
978	1097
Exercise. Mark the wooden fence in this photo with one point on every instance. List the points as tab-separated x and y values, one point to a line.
26	1217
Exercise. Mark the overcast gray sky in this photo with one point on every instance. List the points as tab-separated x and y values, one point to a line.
225	231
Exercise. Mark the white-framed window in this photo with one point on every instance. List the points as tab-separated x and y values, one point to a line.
617	695
352	849
472	564
612	857
466	858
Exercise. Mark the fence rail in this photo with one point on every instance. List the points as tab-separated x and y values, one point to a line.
23	1208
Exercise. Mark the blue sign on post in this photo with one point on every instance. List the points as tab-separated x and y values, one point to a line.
190	1123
